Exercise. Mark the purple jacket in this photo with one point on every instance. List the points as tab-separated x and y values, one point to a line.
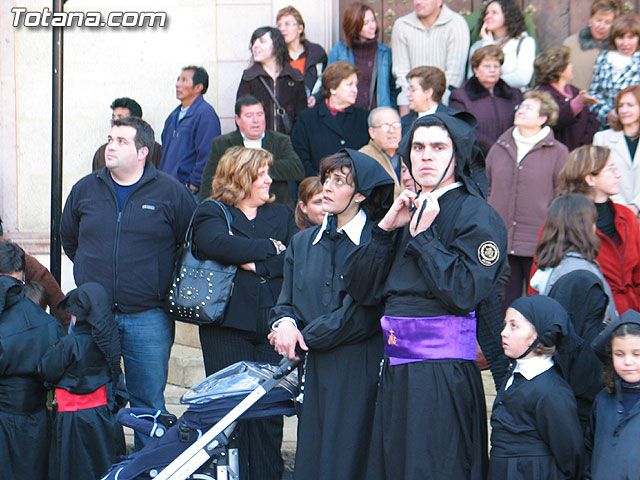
494	112
186	145
572	130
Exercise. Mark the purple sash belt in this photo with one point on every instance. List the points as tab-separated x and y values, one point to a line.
408	339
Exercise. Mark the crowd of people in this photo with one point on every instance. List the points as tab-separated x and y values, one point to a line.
400	217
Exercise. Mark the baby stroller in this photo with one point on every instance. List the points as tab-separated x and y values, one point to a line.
200	445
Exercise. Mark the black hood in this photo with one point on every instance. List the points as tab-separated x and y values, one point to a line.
370	178
91	307
470	167
604	339
551	320
11	292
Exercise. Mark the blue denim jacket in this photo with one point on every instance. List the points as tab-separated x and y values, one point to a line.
342	53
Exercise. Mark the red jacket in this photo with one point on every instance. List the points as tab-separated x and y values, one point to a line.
620	265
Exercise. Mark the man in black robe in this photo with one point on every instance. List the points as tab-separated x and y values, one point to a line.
432	260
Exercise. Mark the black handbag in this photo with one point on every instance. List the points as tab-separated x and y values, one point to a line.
201	289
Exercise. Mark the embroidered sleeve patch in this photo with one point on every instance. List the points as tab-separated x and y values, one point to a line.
488	253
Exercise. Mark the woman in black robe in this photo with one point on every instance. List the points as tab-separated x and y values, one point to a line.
84	366
343	338
535	428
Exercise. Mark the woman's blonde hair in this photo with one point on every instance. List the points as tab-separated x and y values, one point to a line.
582	161
236	171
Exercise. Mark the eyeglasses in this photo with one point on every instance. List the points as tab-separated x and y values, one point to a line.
385	127
527	108
287	24
612	169
489	66
411	89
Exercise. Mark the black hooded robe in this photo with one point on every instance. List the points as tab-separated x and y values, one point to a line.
82	441
341	370
430	419
26	332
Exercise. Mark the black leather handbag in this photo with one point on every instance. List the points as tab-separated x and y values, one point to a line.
201	289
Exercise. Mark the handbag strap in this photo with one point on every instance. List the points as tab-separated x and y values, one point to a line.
271	94
188	236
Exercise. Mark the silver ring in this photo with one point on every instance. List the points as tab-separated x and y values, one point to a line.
284	354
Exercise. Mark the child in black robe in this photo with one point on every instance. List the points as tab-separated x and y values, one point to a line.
535	433
612	439
84	366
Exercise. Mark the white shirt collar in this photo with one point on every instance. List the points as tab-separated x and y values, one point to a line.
531	367
353	228
431	111
442	190
248	143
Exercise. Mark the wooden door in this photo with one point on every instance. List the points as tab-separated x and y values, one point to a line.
555	20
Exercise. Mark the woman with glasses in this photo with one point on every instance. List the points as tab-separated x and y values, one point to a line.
487	97
576	123
272	80
306	57
373	59
427	85
622	140
523	168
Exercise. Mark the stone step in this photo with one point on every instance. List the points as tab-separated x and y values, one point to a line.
187	334
186	367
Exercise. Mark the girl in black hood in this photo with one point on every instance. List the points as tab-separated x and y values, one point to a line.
342	338
84	367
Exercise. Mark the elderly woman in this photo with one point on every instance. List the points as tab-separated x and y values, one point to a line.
617	68
576	123
373	59
306	57
523	168
622	139
261	230
487	96
335	122
272	80
502	24
587	44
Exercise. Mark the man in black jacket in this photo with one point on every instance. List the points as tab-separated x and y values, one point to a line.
252	133
121	226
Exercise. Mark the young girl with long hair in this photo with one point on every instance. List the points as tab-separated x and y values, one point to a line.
612	444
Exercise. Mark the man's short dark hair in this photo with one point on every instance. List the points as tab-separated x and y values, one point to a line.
200	75
246	101
125	102
144	133
11	257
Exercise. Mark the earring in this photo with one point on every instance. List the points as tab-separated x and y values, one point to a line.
357	201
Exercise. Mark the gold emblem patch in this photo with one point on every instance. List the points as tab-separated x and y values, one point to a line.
488	253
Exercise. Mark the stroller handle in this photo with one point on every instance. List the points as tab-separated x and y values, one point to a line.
286	366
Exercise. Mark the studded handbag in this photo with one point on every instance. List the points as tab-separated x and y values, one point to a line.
201	289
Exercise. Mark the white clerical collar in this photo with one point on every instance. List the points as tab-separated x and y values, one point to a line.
353	228
442	190
248	143
531	367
